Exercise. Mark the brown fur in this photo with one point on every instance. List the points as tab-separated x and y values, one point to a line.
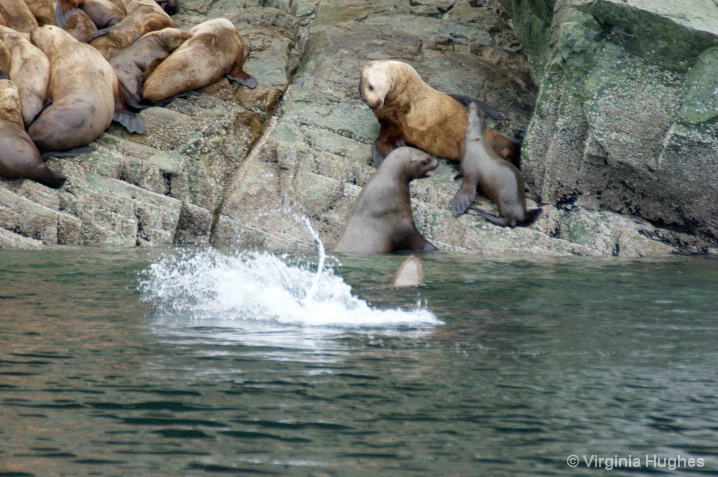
497	178
83	98
412	112
138	61
19	158
17	15
215	49
103	13
42	10
143	16
29	70
382	220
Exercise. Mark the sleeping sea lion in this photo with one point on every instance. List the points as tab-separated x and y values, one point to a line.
42	10
411	112
29	70
497	178
382	220
143	16
84	99
133	64
19	158
215	50
80	25
17	15
103	13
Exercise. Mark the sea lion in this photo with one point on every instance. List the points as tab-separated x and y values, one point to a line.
80	25
84	99
17	15
411	112
19	158
410	273
497	178
215	50
169	6
29	70
104	13
42	10
143	16
382	220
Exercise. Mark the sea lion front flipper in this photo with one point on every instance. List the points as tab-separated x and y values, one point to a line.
531	216
489	111
75	151
465	196
242	78
132	99
382	148
63	10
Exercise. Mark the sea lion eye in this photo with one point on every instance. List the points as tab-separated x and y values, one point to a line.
371	88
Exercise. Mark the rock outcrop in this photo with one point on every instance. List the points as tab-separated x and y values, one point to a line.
242	166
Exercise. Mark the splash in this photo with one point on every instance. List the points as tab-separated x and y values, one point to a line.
262	287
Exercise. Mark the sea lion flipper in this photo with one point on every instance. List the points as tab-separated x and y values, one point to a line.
133	122
464	197
132	99
489	111
98	33
53	179
242	78
531	216
75	151
500	221
63	11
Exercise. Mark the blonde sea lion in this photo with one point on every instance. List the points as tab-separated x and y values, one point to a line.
410	273
17	15
143	16
411	112
29	70
84	99
382	220
19	158
497	178
133	64
42	10
103	13
215	50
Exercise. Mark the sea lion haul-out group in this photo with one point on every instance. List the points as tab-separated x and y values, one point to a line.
78	65
68	68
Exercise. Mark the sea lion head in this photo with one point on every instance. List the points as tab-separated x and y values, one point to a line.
476	128
416	164
375	83
48	38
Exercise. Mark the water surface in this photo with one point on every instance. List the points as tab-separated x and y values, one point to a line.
193	362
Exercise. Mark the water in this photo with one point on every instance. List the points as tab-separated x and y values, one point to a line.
196	362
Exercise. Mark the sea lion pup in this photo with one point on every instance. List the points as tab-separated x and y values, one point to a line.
79	25
411	112
17	15
133	64
29	70
84	91
19	158
103	13
410	273
497	178
143	16
382	220
215	50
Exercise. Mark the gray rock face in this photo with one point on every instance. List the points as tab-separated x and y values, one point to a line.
626	116
244	166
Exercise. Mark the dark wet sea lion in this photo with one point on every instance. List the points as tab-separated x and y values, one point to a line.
84	100
17	15
19	158
169	6
104	13
382	220
29	70
215	50
411	112
143	16
133	64
497	178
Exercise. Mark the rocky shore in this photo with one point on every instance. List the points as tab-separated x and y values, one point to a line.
619	127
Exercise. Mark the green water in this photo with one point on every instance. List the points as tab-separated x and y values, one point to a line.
537	359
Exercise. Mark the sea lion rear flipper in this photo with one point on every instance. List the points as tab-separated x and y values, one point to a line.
52	179
531	216
133	122
132	99
242	78
489	111
63	11
500	221
75	151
